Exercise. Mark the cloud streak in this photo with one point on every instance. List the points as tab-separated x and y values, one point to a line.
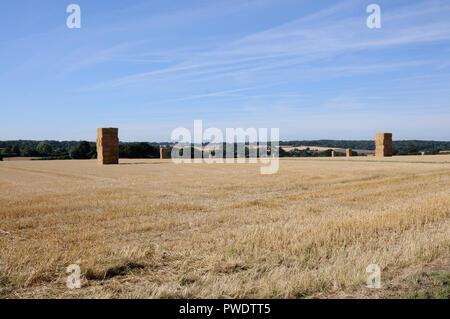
293	46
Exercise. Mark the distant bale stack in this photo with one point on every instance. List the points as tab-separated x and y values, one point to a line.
348	152
333	153
162	153
383	145
108	145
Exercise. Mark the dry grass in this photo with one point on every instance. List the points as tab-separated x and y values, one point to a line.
150	228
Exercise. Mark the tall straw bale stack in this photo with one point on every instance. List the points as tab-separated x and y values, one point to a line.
107	145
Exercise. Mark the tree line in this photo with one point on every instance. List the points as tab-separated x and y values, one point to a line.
87	150
73	149
404	147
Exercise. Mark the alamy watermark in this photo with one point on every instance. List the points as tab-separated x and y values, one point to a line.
374	19
74	19
240	146
374	280
74	279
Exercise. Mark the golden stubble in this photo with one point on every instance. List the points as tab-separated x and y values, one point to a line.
153	229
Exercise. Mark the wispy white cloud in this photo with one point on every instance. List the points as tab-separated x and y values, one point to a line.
213	94
291	47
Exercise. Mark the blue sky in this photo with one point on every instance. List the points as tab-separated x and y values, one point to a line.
311	68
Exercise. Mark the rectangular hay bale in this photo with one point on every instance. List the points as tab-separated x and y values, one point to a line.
348	152
383	144
107	145
162	153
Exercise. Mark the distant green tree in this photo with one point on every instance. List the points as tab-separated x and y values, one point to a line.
15	150
138	150
93	151
412	149
81	151
433	152
44	149
28	150
283	153
60	151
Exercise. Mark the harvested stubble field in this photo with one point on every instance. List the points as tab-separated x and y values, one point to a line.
150	228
